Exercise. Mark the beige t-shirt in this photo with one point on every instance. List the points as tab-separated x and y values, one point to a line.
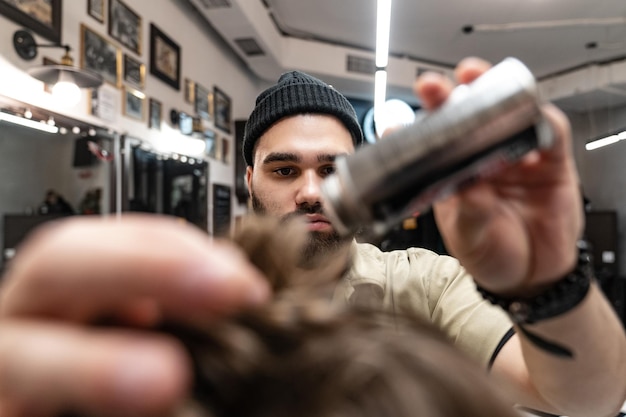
420	282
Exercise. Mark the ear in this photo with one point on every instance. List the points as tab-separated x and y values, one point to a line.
249	170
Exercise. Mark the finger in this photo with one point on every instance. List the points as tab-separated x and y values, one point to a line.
81	269
432	89
469	69
561	129
104	372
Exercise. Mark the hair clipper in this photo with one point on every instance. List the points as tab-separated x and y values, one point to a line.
481	128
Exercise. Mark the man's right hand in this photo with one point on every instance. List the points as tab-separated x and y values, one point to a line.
136	270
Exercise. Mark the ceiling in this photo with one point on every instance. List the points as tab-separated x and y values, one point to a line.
575	47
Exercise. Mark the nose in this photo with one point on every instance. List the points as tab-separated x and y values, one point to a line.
309	190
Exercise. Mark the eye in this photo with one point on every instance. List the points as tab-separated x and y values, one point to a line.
284	172
327	170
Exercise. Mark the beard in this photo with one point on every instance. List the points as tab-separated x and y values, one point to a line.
318	245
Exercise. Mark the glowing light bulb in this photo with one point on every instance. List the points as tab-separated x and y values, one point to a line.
66	93
394	113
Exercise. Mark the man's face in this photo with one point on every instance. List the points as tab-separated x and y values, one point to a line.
291	160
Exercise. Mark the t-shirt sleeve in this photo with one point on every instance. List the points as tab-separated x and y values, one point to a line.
473	324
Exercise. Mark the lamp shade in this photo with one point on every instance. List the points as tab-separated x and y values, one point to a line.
51	74
26	47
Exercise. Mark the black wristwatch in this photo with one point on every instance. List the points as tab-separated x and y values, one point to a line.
558	299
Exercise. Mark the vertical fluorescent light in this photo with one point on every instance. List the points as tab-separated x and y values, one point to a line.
380	94
383	27
383	24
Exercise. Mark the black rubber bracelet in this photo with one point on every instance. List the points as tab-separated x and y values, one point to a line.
558	299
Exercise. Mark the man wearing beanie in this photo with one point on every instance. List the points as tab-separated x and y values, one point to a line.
297	128
514	235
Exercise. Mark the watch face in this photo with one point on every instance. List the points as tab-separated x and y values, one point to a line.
369	130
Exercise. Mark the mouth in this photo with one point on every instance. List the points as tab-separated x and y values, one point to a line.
318	223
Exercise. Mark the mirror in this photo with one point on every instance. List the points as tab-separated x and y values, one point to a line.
163	183
48	175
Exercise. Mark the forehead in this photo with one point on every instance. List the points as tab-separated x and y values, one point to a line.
306	134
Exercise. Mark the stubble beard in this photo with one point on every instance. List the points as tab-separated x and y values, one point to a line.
319	245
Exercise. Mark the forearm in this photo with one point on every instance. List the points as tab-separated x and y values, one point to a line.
593	381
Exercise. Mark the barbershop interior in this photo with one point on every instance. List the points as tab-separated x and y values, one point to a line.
116	106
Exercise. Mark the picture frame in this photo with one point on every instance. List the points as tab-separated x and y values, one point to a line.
102	103
211	106
95	9
222	108
210	139
155	111
164	57
190	88
125	25
221	209
93	102
134	72
225	150
201	101
101	56
41	16
133	103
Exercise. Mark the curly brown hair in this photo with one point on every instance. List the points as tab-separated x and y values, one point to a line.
300	355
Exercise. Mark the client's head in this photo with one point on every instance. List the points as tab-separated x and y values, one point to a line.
300	355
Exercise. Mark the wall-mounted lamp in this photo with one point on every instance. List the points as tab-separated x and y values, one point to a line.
66	79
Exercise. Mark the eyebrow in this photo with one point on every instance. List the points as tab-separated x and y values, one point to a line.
292	157
282	157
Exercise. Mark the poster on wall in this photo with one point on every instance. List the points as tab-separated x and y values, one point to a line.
99	55
41	16
125	25
222	108
221	210
102	103
164	57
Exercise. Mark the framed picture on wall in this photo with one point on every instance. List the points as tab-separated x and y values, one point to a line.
210	140
221	210
225	150
134	72
190	88
125	25
102	103
41	16
222	108
93	104
95	9
201	96
133	103
156	114
164	58
99	55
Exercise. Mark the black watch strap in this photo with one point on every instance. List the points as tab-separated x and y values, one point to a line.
558	299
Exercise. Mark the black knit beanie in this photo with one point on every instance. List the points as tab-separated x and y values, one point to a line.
297	93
